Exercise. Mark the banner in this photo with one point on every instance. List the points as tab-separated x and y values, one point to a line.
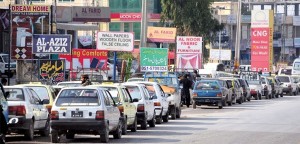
154	59
215	53
51	44
161	34
188	61
27	20
189	44
260	18
91	14
85	58
115	41
52	70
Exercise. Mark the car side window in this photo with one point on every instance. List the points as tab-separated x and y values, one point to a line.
162	91
109	98
35	96
126	96
106	98
146	94
31	99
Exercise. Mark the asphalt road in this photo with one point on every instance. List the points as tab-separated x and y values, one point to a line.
275	121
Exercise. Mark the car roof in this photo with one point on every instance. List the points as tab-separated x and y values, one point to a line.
41	85
82	87
69	82
15	86
132	84
146	82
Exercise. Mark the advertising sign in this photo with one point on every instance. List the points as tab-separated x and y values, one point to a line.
133	17
52	70
189	44
214	54
189	61
161	34
115	41
260	18
27	20
91	14
260	52
51	44
85	58
154	59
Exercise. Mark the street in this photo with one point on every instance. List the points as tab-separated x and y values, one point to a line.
273	121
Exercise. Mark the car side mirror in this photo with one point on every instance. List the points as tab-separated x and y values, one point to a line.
6	95
135	100
45	101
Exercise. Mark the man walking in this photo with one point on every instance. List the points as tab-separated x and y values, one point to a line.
185	91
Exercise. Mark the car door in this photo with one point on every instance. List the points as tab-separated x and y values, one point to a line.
237	88
165	103
149	106
34	108
43	110
130	106
293	84
113	113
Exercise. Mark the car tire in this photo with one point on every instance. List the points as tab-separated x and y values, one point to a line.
159	118
178	112
259	96
144	124
29	133
220	107
256	97
46	130
124	126
134	126
104	138
118	132
281	95
173	113
166	117
152	121
70	136
55	138
240	100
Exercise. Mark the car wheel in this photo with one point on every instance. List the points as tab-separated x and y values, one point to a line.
124	127
166	117
29	133
173	113
178	112
46	130
159	118
259	96
134	126
281	95
70	136
256	97
224	102
55	138
118	133
240	100
104	138
249	98
220	107
144	124
152	122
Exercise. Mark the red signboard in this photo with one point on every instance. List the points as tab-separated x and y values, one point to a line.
260	52
85	58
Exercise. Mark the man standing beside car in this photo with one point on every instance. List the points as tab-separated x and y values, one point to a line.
185	91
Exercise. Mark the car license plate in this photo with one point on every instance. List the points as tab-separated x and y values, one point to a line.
207	100
76	114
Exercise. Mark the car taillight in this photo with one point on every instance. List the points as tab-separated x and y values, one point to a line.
49	107
219	95
121	108
100	115
17	110
140	108
54	115
195	95
157	104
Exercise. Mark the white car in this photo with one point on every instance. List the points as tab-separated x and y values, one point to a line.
255	88
160	100
27	113
267	88
85	110
142	100
289	85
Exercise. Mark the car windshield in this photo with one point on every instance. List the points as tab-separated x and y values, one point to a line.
114	93
78	97
6	59
296	66
207	85
134	92
69	84
15	94
283	79
253	82
42	92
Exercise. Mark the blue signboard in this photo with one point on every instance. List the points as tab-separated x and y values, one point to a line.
51	44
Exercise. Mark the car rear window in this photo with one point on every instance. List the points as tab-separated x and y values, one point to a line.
283	79
15	94
207	85
151	91
134	92
78	97
42	92
114	93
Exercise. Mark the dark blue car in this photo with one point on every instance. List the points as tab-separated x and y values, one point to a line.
208	92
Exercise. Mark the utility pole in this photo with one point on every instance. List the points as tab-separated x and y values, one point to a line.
220	19
238	37
144	23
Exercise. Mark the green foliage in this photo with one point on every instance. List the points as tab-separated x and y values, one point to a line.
191	18
125	55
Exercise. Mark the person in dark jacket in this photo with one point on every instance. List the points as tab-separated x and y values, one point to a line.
185	91
85	80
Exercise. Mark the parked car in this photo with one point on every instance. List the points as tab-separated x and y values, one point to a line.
276	88
296	79
235	88
246	89
279	84
3	114
4	58
127	108
255	88
28	112
267	88
289	86
85	110
143	102
209	92
160	100
226	89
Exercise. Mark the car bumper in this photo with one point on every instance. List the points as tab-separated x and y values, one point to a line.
21	124
287	90
140	116
82	125
207	100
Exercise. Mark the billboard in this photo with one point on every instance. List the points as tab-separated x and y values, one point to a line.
188	61
189	44
154	59
52	70
115	41
161	34
27	20
91	14
214	54
51	44
85	58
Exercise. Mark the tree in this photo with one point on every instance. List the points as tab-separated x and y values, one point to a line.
191	18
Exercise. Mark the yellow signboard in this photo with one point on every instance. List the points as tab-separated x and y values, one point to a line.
161	34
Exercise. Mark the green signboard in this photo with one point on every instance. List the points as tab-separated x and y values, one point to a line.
154	59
